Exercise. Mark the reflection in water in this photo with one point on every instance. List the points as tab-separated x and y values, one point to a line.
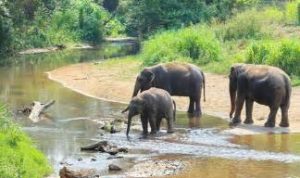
287	143
194	121
71	123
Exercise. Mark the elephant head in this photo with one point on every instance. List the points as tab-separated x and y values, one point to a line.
233	77
135	107
143	81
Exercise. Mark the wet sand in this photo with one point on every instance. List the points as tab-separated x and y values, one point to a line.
115	82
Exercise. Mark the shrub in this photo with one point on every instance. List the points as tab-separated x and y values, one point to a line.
195	44
292	12
250	24
18	156
284	54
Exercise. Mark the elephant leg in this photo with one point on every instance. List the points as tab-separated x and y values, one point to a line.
191	106
271	119
153	123
158	123
249	109
284	116
144	121
238	109
170	122
198	111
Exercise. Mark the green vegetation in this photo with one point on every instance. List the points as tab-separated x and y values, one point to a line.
257	35
194	44
33	23
18	156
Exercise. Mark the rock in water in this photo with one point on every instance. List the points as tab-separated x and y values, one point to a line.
67	173
104	146
113	167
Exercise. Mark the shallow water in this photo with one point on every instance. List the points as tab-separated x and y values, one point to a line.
72	122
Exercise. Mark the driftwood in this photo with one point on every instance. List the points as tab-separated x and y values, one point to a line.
104	146
37	109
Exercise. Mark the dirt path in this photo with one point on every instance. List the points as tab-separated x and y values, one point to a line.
115	82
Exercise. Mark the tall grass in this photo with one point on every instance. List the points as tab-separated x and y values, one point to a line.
195	44
18	156
292	12
284	54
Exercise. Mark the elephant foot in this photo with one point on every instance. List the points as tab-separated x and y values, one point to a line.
284	124
153	132
197	113
143	136
234	122
248	121
170	131
269	124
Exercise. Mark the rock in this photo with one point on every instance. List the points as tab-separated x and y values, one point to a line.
104	146
67	173
93	159
115	157
79	159
113	167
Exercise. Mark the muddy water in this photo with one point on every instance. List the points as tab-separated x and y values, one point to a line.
200	145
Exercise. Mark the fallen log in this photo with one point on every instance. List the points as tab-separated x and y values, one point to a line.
37	109
105	147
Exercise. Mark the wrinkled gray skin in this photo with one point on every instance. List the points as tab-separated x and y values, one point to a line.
176	78
263	84
152	105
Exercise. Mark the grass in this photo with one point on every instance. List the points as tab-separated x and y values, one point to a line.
18	156
258	35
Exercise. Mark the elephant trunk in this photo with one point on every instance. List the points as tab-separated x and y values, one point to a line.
128	124
232	91
136	88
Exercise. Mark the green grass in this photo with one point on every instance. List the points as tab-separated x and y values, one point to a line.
196	44
18	156
258	36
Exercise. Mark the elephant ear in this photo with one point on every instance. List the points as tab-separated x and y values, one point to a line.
235	70
150	76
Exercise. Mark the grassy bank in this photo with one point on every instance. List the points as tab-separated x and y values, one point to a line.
268	35
18	156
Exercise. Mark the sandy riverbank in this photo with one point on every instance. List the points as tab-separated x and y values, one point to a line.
114	82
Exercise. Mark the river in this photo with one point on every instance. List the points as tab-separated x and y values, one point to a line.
202	146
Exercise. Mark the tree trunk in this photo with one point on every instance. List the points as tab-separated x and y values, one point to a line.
37	109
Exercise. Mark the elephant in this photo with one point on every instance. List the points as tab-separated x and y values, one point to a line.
152	105
263	84
178	79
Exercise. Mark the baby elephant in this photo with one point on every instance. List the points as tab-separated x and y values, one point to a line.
152	105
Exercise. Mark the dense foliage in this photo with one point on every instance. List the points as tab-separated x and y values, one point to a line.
194	44
18	156
33	23
264	35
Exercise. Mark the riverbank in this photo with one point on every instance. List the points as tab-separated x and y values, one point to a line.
18	155
113	80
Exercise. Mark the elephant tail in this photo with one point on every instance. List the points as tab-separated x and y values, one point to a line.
288	89
174	111
203	80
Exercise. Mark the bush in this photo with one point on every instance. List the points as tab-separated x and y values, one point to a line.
250	24
18	156
284	54
292	12
194	44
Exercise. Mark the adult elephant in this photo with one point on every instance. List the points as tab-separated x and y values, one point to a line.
178	79
263	84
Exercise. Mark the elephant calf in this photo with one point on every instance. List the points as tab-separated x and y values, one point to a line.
178	79
266	85
152	105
